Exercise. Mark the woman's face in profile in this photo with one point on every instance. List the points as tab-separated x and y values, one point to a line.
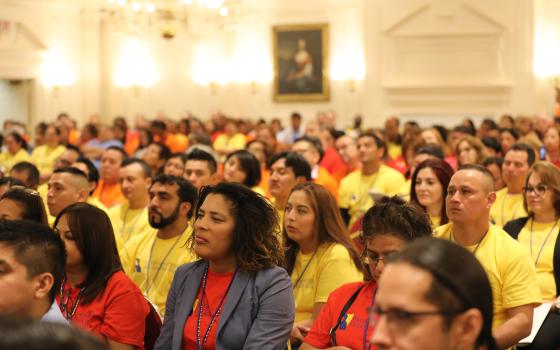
74	257
233	171
299	218
213	228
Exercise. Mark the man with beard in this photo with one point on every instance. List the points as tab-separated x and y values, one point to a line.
151	259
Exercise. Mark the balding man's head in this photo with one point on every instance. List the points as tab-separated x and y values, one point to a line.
66	186
487	179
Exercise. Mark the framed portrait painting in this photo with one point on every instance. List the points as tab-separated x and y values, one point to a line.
301	62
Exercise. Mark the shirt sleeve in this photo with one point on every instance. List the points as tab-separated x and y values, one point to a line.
319	336
125	315
335	269
343	194
520	280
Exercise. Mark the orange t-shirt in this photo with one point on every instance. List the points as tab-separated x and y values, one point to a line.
118	313
109	195
352	332
217	285
332	162
177	142
327	181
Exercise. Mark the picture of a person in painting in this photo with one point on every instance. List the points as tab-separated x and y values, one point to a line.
301	74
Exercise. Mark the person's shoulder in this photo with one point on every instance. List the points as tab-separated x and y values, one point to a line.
271	276
504	242
332	251
442	231
390	172
120	283
345	291
501	193
189	267
138	240
350	178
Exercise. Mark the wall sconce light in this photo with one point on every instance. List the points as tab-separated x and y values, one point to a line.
55	72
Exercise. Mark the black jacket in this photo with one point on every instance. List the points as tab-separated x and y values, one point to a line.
513	228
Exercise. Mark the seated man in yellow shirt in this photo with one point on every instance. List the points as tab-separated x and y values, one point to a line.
354	198
509	200
131	218
151	259
509	267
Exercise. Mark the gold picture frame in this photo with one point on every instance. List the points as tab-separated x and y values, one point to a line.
301	62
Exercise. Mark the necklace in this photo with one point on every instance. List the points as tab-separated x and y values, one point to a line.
134	222
199	342
148	285
543	244
477	245
304	269
68	314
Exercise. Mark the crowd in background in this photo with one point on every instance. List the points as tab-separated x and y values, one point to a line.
233	233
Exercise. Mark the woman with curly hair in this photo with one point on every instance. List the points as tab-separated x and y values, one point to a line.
235	296
470	150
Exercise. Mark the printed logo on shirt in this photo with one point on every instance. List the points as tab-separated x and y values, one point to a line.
346	321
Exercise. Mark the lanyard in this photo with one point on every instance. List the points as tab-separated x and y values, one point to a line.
543	244
304	269
148	286
199	343
68	314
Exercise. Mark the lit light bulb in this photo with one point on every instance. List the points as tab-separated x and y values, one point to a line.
224	11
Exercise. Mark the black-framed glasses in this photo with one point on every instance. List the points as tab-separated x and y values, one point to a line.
399	319
540	189
374	258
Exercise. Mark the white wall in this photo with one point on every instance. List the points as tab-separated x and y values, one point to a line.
429	59
14	101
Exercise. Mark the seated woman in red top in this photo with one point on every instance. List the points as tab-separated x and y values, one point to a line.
235	296
95	294
343	321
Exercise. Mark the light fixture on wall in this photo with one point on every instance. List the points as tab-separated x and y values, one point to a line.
200	18
56	72
135	67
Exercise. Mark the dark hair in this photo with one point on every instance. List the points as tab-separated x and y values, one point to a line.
37	247
250	165
93	174
459	282
30	170
121	150
18	138
72	171
378	141
71	147
525	148
490	123
158	124
392	215
179	155
297	163
265	148
443	172
18	334
200	155
11	182
511	131
149	135
314	142
41	128
31	203
255	237
164	151
493	143
94	237
499	161
201	138
432	149
92	129
328	227
186	191
296	115
146	171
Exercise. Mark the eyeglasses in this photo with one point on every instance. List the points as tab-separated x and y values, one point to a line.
540	189
399	320
374	258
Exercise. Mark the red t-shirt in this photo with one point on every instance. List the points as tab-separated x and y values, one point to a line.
118	313
216	287
350	332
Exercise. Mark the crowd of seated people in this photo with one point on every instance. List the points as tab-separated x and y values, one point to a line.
232	233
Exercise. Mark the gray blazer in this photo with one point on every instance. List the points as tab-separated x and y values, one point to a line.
258	313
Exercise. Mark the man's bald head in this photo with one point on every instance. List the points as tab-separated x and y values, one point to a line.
66	186
487	180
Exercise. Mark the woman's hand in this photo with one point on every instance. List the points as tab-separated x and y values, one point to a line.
299	331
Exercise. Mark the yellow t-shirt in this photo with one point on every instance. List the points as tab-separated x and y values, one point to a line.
44	157
128	223
507	207
330	268
353	191
541	250
166	256
7	160
233	143
435	221
509	268
394	150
